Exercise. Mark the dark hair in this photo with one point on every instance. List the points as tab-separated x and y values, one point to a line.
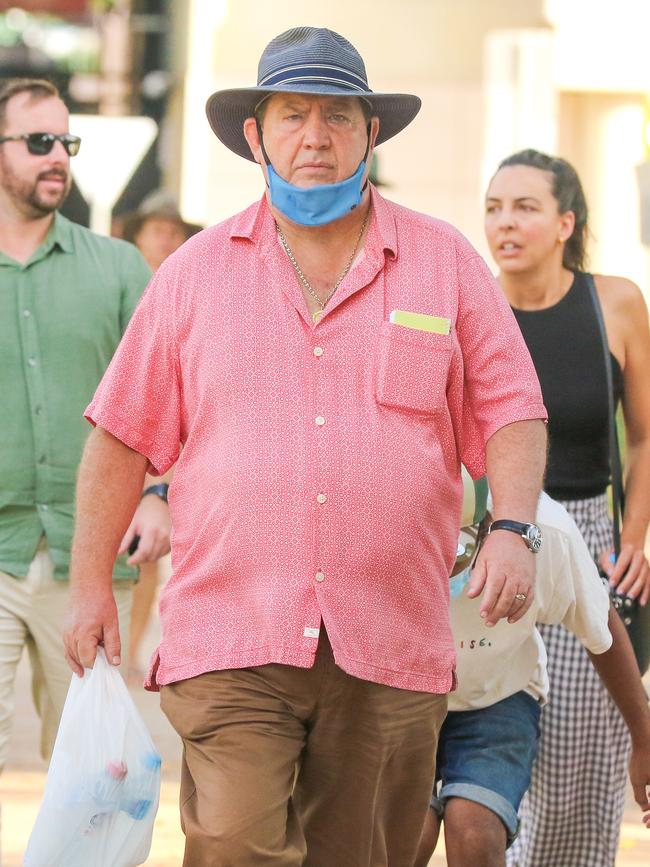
135	220
567	191
39	88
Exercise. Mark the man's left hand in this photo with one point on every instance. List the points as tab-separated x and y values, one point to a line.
152	525
504	572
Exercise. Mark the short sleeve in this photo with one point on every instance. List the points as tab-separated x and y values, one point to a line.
576	597
500	382
138	399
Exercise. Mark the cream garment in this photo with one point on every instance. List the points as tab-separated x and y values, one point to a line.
494	663
32	611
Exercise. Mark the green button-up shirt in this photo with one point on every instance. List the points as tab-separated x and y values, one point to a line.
62	315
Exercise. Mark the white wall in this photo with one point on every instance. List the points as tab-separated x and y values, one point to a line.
433	48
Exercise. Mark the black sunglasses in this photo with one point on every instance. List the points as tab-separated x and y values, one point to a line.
41	143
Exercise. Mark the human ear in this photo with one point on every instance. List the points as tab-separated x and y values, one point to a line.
252	137
374	131
566	226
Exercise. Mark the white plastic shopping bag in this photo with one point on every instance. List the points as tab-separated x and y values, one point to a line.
103	785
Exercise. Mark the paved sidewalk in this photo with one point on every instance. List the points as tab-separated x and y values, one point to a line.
21	787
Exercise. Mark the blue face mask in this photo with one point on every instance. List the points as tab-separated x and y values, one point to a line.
316	206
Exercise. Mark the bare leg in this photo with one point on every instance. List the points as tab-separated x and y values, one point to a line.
428	839
473	835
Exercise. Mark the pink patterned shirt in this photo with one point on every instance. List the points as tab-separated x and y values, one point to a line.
318	466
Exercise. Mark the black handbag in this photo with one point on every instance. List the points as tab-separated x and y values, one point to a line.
635	617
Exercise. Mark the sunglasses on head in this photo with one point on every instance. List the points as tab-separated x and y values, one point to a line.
41	143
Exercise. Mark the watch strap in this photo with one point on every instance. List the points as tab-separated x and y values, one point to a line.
506	524
159	490
530	533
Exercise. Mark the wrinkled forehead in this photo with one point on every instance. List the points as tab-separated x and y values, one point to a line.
351	104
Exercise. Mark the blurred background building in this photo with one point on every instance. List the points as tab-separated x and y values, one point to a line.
568	76
108	57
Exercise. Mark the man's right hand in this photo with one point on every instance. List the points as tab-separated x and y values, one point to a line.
92	620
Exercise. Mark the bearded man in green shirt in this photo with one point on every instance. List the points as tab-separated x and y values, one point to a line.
66	296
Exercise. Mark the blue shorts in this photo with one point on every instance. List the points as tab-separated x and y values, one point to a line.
487	756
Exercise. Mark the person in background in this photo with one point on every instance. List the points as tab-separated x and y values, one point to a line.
488	741
66	296
536	227
157	229
324	360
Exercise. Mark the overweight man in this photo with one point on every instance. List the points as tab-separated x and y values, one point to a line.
317	367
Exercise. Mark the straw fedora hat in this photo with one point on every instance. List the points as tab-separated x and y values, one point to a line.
309	60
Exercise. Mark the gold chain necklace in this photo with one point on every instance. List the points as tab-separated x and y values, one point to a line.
305	282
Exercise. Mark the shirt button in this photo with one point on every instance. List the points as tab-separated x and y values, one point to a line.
318	351
27	313
38	410
41	460
321	498
44	507
319	576
320	421
31	361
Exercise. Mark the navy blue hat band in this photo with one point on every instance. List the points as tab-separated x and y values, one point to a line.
315	75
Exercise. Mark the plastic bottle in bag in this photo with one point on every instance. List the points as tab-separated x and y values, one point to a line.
103	785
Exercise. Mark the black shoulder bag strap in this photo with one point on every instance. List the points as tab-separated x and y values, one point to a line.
618	495
635	618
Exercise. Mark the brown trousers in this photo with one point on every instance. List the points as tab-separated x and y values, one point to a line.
287	766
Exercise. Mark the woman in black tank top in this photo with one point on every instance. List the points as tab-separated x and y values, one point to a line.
536	226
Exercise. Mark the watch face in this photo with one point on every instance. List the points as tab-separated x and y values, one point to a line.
534	536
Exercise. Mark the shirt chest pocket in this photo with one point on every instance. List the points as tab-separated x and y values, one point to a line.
412	368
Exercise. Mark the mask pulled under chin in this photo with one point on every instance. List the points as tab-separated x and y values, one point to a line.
316	206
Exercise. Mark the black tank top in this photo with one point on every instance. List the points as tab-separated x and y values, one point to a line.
565	344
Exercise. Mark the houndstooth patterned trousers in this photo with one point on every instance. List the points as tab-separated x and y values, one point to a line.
571	815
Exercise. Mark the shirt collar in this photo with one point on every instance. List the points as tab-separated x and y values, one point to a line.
59	235
253	222
257	224
385	222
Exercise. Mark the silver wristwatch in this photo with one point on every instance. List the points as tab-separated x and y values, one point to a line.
530	533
